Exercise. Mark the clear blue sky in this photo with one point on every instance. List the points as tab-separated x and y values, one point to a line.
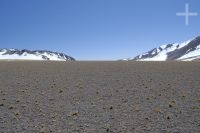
95	29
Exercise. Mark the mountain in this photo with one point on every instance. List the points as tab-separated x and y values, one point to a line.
15	54
186	51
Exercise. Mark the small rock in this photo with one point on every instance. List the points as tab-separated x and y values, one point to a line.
169	116
171	104
51	99
146	118
158	110
107	130
43	130
75	113
11	107
17	113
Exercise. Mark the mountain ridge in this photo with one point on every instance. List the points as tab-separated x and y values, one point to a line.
185	51
24	54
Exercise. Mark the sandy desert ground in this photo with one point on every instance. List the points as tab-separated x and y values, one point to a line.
99	97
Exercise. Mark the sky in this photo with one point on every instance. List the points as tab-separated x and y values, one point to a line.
95	29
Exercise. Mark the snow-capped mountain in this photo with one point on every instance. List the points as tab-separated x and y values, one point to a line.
15	54
186	51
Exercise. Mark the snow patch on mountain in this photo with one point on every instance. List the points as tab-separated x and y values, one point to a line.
188	56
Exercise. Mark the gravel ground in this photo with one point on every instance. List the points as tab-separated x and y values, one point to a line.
99	97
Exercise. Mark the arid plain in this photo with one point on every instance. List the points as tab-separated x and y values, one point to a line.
99	97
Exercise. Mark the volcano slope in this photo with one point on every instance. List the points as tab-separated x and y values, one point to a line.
99	97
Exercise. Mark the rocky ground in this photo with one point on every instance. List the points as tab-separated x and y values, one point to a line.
99	97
